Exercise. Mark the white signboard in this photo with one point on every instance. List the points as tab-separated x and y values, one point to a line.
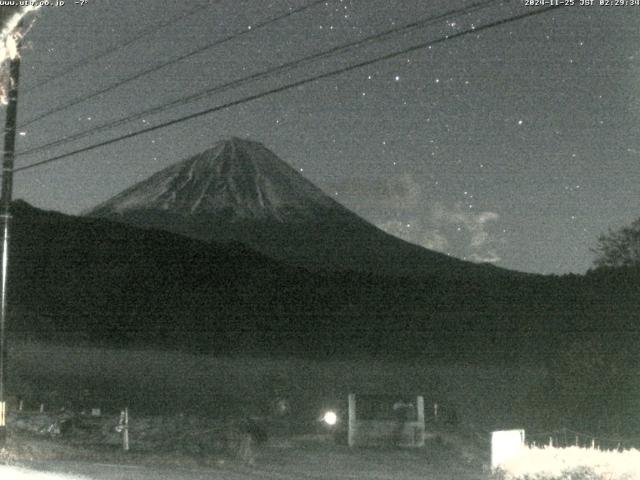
505	444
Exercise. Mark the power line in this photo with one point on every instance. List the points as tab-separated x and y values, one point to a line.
92	58
267	72
160	66
295	84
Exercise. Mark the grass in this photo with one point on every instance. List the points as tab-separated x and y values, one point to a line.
161	382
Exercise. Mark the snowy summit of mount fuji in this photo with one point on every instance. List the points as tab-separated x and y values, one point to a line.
237	178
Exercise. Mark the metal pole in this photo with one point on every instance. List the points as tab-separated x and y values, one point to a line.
5	217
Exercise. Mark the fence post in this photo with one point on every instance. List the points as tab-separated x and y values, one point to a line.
123	427
125	433
352	420
420	431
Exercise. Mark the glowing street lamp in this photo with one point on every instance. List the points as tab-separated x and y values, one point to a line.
330	418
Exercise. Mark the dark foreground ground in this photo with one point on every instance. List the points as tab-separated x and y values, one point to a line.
185	408
302	457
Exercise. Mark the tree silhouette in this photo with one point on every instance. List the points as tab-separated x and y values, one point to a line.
619	248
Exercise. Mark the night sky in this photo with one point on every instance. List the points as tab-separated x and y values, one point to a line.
516	145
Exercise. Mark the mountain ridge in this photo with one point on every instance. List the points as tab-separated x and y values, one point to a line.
239	190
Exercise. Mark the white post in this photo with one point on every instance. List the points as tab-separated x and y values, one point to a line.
420	409
42	408
420	417
125	431
352	419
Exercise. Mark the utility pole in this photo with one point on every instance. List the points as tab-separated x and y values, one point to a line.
5	218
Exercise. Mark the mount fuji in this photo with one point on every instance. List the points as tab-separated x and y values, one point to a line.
240	191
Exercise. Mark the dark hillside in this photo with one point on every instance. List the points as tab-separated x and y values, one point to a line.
91	279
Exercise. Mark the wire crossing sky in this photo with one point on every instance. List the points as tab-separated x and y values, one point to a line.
173	61
120	45
283	88
513	144
263	74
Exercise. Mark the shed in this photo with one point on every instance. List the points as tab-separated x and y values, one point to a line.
386	420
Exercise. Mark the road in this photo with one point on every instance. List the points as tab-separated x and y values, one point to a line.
102	471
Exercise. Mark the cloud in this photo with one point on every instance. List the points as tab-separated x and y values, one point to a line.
474	223
454	229
402	207
434	240
406	192
413	231
489	257
398	193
